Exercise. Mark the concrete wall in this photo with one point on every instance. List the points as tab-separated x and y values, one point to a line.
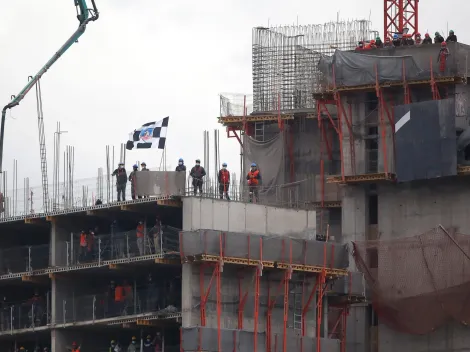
409	209
203	213
230	300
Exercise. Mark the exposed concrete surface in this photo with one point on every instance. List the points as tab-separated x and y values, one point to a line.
207	213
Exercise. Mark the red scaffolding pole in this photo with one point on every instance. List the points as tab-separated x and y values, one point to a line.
400	14
287	278
434	88
258	273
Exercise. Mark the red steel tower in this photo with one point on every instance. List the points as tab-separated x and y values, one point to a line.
399	15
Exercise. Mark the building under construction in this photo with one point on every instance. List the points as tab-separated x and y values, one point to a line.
363	157
380	150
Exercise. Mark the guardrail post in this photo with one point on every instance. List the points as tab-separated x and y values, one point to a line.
33	320
68	252
127	245
30	268
48	305
64	304
94	308
99	251
72	259
11	319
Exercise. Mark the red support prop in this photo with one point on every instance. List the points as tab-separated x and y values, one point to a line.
400	14
434	88
258	273
406	88
218	270
305	308
234	134
287	278
181	339
205	293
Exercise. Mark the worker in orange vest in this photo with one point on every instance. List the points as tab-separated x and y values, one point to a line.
83	246
254	179
119	297
75	347
224	181
442	57
140	232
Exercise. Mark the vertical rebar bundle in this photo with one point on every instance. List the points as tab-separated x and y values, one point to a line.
56	176
42	147
285	61
69	166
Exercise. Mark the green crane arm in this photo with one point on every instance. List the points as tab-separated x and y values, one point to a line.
84	15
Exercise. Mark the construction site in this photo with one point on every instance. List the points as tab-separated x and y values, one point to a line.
354	240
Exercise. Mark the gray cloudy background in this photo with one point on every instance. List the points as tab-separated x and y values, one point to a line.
147	59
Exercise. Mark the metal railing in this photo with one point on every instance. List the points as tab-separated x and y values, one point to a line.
122	245
90	308
300	194
29	314
24	259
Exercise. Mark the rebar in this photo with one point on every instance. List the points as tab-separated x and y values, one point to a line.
285	60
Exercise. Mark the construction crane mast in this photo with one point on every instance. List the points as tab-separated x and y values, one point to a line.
85	15
400	16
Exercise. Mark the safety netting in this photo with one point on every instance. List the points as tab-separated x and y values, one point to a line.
418	283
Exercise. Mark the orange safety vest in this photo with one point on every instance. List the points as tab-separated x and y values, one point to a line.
83	240
119	294
140	231
127	290
252	178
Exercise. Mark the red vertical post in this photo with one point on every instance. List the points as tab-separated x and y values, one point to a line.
258	273
268	321
218	270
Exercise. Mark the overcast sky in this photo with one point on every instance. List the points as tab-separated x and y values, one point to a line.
147	59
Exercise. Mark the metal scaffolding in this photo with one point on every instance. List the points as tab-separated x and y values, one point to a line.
285	73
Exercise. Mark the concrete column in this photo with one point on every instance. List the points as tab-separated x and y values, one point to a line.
354	224
386	155
58	340
58	246
61	290
358	128
187	294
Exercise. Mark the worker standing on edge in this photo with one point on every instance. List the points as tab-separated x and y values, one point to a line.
452	37
181	166
83	247
197	173
132	179
140	233
418	40
438	38
254	179
396	40
121	181
75	347
388	43
133	346
143	167
442	57
224	181
379	43
427	39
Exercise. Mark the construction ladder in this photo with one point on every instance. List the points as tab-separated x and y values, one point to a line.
259	131
42	148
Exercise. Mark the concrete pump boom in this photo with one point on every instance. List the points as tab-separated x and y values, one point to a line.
84	15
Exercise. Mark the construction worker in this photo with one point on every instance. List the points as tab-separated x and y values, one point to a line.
133	345
396	40
74	348
121	181
152	345
408	39
224	181
132	179
254	179
181	166
360	46
143	167
438	38
91	244
388	43
152	297
197	173
119	299
156	232
114	347
110	298
140	233
83	252
379	43
442	57
418	40
427	39
452	37
372	44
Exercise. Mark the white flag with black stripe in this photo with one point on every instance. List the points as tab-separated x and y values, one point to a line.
150	135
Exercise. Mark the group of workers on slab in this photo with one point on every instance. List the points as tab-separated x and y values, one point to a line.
197	173
406	40
148	345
